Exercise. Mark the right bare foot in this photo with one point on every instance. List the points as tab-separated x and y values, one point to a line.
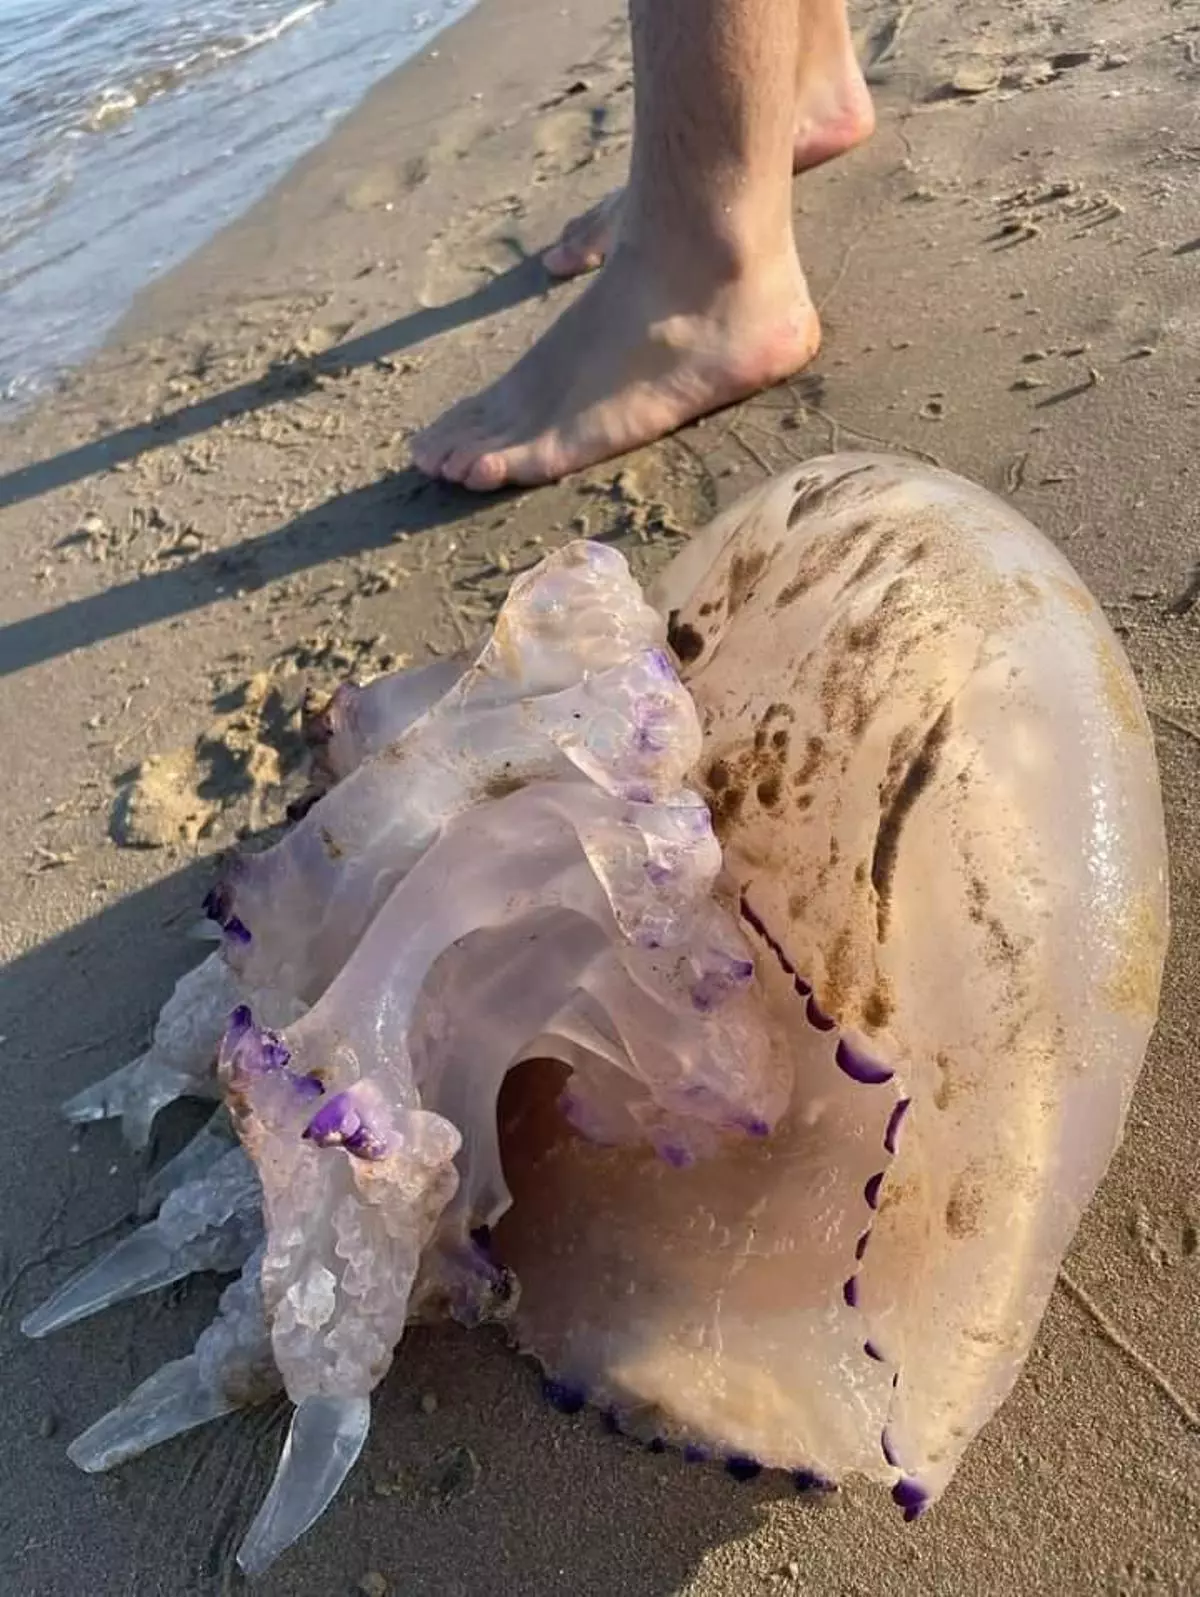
833	115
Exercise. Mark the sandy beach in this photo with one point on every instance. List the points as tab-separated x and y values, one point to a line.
217	510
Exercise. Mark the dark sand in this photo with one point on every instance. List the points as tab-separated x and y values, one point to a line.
1010	279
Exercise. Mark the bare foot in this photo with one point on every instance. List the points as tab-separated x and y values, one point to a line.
831	118
622	367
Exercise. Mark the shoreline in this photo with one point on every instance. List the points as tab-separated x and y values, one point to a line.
216	509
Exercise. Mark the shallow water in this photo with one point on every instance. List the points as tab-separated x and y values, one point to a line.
131	130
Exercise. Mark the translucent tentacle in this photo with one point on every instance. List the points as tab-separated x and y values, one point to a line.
230	1368
360	720
193	1161
325	1439
212	1224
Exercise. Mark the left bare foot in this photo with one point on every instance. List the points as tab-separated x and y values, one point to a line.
622	367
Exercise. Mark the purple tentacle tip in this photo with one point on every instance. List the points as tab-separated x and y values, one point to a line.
871	1190
850	1292
742	1468
858	1065
341	1124
237	930
860	1247
873	1352
894	1123
889	1452
253	1050
912	1497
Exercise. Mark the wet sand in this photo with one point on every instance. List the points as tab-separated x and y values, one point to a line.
217	509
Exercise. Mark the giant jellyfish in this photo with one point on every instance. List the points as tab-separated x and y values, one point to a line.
737	990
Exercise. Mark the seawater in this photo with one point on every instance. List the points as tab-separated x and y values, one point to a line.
132	130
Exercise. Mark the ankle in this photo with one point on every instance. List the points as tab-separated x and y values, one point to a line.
719	251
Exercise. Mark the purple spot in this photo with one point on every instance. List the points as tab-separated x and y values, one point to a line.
638	793
658	662
695	819
860	1247
889	1452
753	1126
893	1125
873	1352
648	735
309	1087
850	1292
742	1468
912	1497
681	1158
237	930
568	1397
861	1067
818	1018
657	874
871	1190
723	975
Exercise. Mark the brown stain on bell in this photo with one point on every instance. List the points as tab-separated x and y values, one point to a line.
744	572
814	748
876	556
686	643
964	1208
914	783
503	784
822	560
817	492
878	1005
726	797
947	1087
769	791
839	974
